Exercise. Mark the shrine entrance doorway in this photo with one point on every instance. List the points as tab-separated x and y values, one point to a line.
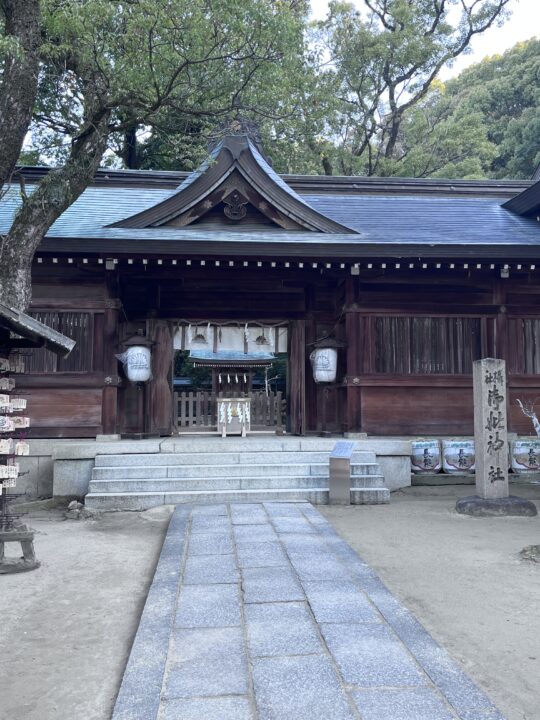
230	378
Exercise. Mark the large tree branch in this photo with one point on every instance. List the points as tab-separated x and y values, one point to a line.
55	193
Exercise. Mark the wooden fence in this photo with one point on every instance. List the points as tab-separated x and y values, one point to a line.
197	411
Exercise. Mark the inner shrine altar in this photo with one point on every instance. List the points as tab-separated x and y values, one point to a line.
234	416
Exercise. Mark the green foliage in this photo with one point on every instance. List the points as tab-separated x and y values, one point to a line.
200	377
165	64
357	93
504	91
383	62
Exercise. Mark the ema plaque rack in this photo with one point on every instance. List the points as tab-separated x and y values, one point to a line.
12	445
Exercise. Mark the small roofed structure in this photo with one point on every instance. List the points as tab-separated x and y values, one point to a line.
18	330
232	371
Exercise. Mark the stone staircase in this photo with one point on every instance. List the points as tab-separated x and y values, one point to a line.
228	470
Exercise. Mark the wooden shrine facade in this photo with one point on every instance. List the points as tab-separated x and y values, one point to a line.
416	278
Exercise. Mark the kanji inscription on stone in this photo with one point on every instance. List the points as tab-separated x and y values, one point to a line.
490	428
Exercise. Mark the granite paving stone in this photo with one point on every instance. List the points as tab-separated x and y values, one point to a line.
206	543
210	569
262	612
281	629
261	555
299	688
209	510
208	606
370	655
307	544
481	715
254	533
248	514
459	689
270	584
210	524
206	662
293	525
284	509
339	602
403	704
207	708
323	567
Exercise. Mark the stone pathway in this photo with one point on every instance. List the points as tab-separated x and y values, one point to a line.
261	612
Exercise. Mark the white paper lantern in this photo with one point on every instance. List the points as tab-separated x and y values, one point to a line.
137	363
324	364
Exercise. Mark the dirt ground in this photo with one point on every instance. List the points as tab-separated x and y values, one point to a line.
464	580
66	629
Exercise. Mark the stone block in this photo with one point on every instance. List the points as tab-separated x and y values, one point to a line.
281	629
28	480
202	606
248	514
319	568
210	544
303	688
211	570
254	533
396	470
72	477
209	708
210	523
370	655
339	602
292	525
270	584
209	510
277	509
261	555
206	662
403	704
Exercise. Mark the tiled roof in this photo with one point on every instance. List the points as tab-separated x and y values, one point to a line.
386	220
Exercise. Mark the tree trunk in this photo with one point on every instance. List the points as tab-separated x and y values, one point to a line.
19	81
54	194
130	156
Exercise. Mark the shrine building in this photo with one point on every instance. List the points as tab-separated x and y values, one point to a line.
229	279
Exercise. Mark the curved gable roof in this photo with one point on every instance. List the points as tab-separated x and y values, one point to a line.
235	175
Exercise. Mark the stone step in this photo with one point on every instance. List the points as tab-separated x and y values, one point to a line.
254	443
208	471
145	500
279	482
223	458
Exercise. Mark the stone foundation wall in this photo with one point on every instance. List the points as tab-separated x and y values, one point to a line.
63	468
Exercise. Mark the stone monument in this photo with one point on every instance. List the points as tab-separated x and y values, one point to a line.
491	445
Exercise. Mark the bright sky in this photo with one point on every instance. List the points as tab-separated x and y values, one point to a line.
523	24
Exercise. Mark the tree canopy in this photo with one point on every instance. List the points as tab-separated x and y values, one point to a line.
101	68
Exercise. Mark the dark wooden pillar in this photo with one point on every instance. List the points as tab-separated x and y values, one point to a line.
353	421
311	419
159	390
501	320
297	383
109	403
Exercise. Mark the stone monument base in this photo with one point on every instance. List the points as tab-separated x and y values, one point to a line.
23	535
491	507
